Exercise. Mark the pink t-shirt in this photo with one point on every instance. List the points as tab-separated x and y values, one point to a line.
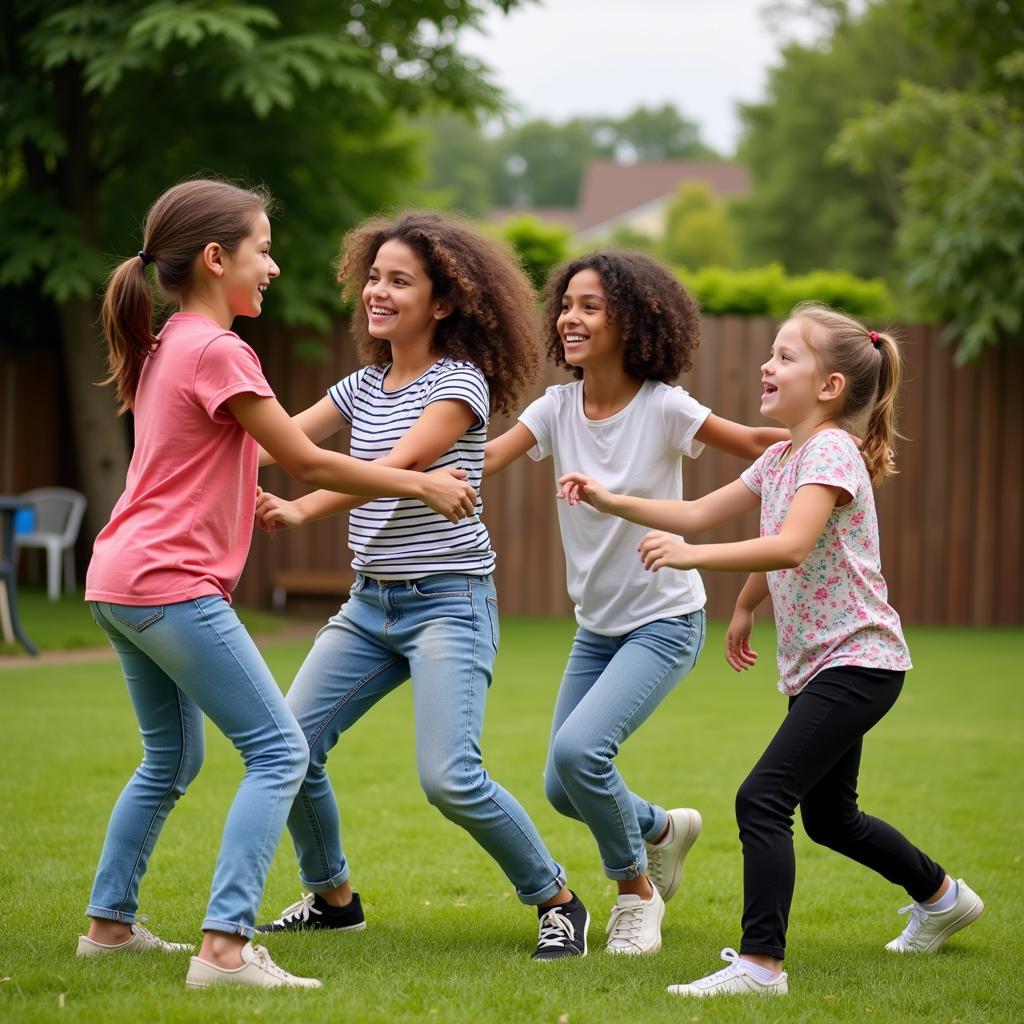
183	525
833	609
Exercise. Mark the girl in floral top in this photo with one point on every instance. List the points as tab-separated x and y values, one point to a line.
841	651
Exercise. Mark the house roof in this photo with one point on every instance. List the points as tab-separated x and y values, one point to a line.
611	190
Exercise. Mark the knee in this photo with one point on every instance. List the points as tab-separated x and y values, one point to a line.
753	801
556	794
449	790
824	826
173	770
191	763
573	759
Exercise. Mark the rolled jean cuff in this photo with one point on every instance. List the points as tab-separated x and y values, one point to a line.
123	916
327	884
553	888
211	924
634	870
776	952
660	821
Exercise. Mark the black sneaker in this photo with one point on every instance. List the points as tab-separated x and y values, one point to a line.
313	911
563	931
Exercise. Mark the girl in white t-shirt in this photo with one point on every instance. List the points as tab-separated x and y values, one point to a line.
626	327
841	652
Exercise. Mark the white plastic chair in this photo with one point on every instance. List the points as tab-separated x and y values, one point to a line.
59	512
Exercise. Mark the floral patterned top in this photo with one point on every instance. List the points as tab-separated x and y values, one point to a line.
833	609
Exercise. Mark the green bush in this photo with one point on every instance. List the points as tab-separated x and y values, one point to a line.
769	291
540	246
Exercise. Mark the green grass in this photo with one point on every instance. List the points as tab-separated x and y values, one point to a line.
446	939
66	624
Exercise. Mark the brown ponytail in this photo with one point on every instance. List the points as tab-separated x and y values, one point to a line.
179	225
871	364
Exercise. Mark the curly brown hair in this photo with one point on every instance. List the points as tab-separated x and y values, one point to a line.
492	324
658	318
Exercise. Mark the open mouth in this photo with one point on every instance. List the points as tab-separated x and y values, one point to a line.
574	340
382	311
769	389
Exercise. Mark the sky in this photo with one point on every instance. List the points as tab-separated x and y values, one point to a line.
559	58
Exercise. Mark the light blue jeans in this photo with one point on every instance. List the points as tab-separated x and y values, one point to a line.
612	684
442	632
182	661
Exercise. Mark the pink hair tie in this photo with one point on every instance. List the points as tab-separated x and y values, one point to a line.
875	338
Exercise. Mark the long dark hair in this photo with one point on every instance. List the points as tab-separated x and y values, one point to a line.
178	227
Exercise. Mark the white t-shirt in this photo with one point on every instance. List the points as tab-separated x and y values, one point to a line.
637	451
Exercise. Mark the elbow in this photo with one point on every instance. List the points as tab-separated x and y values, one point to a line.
793	555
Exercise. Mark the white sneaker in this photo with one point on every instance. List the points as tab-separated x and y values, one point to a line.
665	859
634	929
142	941
734	980
257	969
929	929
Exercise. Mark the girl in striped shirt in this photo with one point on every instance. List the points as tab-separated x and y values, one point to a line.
445	323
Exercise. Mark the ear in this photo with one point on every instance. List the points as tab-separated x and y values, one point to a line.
212	258
832	387
443	308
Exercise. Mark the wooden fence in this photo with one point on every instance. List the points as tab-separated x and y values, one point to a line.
952	522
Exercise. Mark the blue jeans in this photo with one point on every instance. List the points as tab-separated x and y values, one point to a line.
182	661
611	686
442	631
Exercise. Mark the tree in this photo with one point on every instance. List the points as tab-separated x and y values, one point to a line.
105	105
805	209
658	133
960	154
698	229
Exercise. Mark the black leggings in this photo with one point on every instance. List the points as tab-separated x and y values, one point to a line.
813	761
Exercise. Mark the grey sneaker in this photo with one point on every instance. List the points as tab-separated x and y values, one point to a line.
142	941
734	980
634	929
665	859
257	970
927	930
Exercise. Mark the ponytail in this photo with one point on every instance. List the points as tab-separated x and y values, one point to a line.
128	324
871	364
880	434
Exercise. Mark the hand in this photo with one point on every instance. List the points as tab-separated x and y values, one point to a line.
448	494
658	550
274	513
575	488
737	640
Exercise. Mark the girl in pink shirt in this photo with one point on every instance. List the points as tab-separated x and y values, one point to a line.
163	568
841	651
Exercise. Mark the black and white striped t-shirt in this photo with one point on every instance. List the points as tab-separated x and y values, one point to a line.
401	538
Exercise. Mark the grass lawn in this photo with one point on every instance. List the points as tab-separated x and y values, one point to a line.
447	941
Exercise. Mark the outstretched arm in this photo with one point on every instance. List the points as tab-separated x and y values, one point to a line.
738	438
316	422
439	426
683	517
265	420
803	525
514	443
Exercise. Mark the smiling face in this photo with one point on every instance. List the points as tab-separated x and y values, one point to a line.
249	269
589	337
399	296
794	385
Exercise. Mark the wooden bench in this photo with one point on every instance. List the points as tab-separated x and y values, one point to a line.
309	583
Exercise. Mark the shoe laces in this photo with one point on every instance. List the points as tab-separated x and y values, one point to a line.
155	941
261	956
733	959
918	916
626	921
555	930
299	910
